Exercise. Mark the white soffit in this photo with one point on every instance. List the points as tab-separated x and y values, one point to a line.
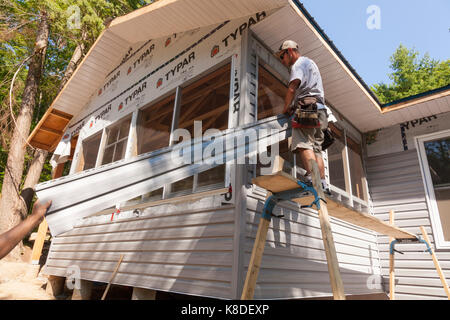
154	21
173	16
104	54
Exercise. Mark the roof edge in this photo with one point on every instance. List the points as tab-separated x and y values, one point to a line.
416	96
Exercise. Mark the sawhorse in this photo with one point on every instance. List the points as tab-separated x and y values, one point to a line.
299	191
426	241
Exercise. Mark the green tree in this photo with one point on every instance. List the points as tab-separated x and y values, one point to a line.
49	59
412	75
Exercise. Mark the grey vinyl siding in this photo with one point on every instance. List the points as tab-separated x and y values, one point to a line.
395	183
294	263
169	248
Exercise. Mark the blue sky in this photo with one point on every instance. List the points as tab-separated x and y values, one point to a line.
424	25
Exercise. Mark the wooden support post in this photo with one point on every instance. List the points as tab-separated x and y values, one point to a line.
391	261
436	263
143	294
258	247
55	285
337	285
112	277
39	242
84	292
43	227
255	260
278	164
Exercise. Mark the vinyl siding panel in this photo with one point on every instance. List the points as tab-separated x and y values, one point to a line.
294	263
395	183
185	248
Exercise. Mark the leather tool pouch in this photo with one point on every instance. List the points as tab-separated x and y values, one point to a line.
306	115
328	139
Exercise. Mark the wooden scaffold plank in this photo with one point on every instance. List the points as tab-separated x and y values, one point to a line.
281	181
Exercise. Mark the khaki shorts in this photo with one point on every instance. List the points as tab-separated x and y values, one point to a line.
310	138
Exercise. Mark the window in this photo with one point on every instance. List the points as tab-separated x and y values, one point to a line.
153	131
271	93
90	151
434	155
205	100
357	175
116	142
345	167
154	125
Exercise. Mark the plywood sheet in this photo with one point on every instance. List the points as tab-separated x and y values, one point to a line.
277	182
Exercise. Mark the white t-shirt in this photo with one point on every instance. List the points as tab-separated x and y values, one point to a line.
308	73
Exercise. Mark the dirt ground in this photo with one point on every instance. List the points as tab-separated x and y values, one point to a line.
18	280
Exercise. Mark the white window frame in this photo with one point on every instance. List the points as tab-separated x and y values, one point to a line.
436	225
167	189
347	195
106	133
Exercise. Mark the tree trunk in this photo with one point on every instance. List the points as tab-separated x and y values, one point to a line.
35	169
73	63
39	156
9	203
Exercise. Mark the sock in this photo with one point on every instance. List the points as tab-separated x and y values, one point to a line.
324	184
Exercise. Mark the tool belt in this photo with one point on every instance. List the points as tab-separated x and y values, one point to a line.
306	114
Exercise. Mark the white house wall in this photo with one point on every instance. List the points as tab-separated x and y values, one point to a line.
400	137
395	183
184	248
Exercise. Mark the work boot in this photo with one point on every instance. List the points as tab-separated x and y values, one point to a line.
307	179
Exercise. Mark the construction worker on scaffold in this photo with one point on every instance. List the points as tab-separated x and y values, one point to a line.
304	103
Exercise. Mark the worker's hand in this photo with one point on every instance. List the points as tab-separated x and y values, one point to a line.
288	111
39	209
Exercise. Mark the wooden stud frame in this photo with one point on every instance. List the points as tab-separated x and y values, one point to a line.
348	180
167	189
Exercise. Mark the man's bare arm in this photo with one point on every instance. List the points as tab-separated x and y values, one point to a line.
290	94
11	238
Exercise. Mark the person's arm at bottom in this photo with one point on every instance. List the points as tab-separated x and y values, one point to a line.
11	238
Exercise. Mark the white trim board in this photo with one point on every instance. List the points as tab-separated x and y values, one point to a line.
436	224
